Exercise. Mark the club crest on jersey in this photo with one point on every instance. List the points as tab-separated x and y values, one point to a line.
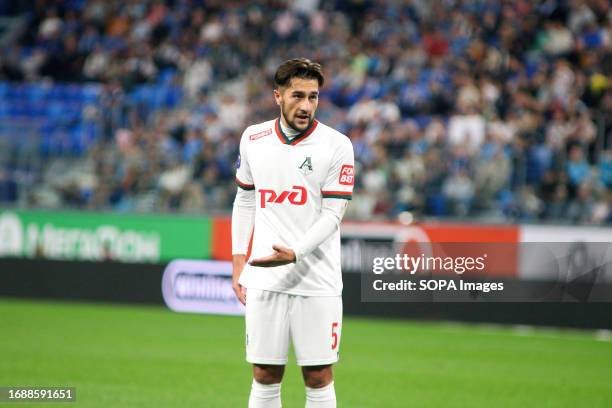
306	166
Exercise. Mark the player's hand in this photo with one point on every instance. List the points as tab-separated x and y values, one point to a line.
238	261
281	256
240	292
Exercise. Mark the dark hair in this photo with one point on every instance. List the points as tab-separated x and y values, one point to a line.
298	68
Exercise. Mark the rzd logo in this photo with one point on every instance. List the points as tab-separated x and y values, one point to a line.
296	196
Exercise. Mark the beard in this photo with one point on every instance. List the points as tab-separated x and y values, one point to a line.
292	123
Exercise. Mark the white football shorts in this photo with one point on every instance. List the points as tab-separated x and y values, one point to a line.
312	323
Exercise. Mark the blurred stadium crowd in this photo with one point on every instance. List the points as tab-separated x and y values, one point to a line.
493	110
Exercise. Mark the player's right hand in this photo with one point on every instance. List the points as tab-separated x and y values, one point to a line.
240	292
238	262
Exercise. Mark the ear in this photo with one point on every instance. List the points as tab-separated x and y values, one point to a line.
277	96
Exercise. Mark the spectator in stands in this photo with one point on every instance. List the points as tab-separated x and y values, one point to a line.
578	170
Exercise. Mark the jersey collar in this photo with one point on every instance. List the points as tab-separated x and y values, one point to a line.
298	138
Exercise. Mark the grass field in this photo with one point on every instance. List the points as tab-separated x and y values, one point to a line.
128	356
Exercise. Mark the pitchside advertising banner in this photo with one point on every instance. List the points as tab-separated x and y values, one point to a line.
422	262
200	287
458	263
103	236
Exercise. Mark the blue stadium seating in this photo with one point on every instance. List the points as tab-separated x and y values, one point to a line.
52	113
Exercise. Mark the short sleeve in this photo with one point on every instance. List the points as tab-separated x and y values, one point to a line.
244	178
341	176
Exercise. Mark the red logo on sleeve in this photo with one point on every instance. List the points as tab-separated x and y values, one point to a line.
347	175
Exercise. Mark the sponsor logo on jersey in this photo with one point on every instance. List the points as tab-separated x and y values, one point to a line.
306	166
347	175
296	196
260	134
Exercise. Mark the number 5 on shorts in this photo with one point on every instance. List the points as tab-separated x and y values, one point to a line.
334	335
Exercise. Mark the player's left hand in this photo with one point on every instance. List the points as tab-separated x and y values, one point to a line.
281	256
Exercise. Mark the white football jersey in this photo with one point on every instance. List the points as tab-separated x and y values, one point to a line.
290	178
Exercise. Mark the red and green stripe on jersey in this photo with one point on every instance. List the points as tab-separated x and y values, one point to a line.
345	195
245	186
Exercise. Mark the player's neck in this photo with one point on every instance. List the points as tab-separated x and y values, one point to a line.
288	130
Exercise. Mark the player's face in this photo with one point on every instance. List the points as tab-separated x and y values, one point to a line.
298	102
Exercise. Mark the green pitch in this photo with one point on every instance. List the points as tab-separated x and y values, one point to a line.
127	356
